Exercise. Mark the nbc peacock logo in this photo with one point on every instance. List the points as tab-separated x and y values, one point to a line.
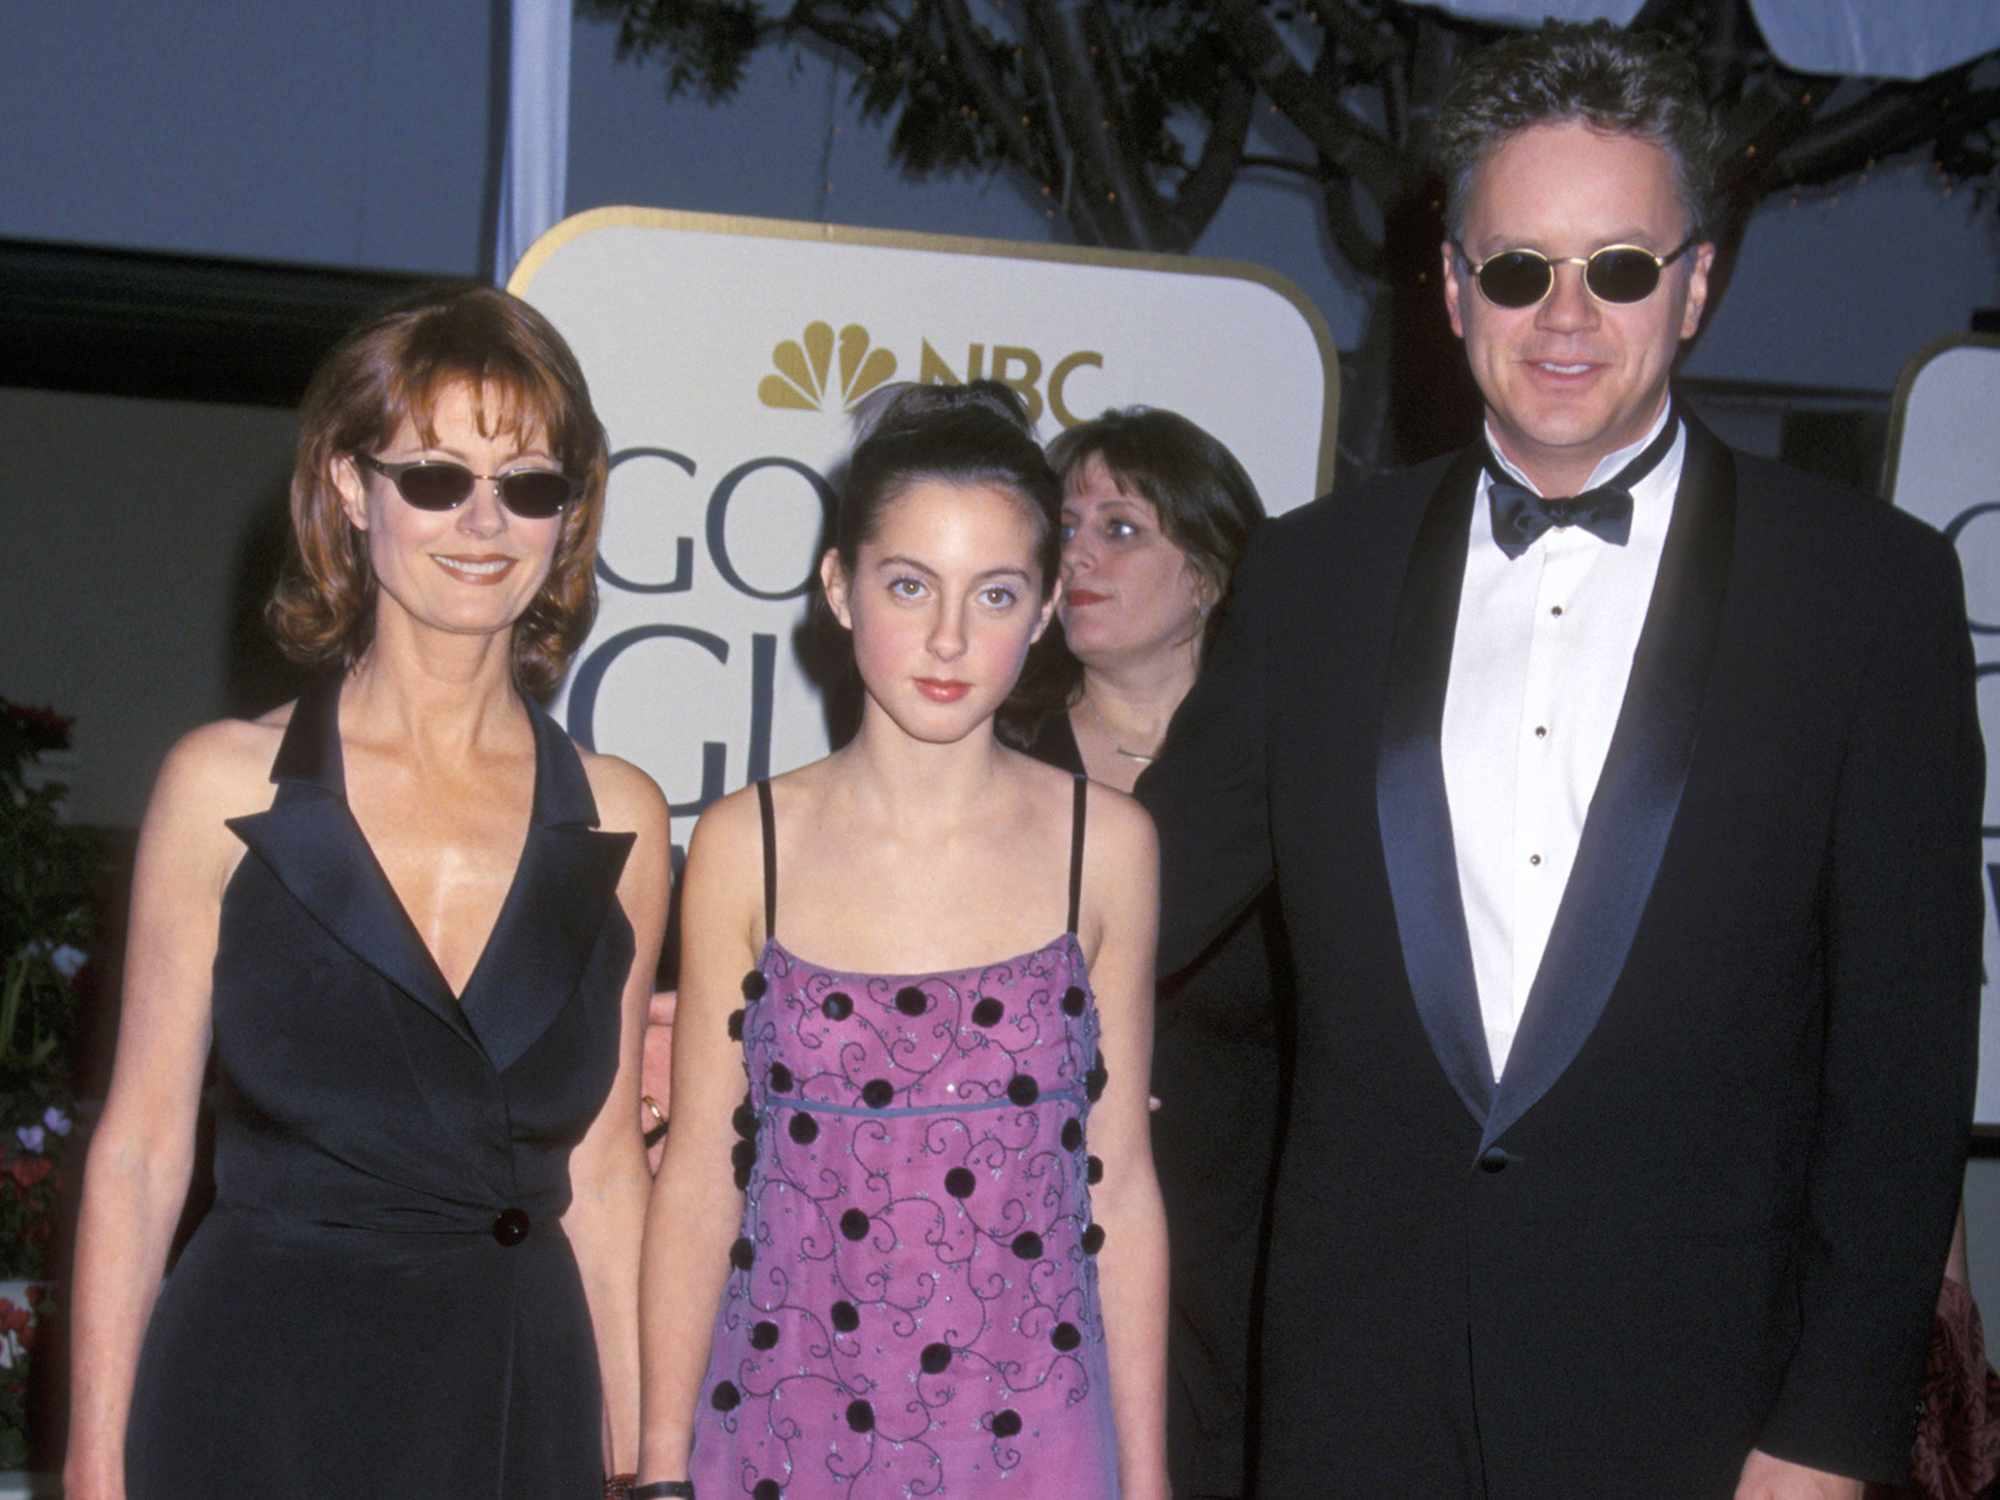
803	367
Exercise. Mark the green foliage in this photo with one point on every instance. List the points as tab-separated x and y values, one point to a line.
45	927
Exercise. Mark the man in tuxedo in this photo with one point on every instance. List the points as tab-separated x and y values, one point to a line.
1628	844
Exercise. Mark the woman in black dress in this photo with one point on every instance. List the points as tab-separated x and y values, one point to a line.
1155	515
422	969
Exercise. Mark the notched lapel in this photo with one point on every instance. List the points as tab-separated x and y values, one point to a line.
1410	798
1638	792
311	843
550	922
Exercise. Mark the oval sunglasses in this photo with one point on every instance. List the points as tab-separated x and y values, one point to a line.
1617	273
439	484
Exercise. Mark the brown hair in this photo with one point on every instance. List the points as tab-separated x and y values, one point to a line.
1207	508
393	369
1635	83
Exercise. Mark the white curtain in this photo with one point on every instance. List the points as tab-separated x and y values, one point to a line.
1876	38
535	164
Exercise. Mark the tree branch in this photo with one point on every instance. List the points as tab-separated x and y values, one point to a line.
1351	146
1201	192
992	100
1891	119
1361	250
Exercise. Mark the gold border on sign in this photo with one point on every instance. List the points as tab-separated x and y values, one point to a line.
751	227
1906	382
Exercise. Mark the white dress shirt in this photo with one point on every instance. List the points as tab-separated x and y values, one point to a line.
1539	664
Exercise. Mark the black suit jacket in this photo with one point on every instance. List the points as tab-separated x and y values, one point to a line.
1707	1205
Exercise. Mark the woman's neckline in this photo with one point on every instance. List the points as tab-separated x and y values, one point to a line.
1060	940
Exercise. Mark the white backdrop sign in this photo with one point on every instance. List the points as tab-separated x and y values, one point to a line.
724	355
1945	466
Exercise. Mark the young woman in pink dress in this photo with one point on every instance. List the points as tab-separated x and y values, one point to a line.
923	1253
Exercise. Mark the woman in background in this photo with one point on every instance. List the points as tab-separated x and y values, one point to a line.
423	973
939	1264
1155	516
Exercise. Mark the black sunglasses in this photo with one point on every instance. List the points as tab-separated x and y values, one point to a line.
1617	273
437	484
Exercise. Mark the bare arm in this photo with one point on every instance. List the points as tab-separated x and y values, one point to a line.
607	1170
696	1205
136	1177
1121	884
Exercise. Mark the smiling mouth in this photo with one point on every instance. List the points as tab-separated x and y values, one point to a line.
1558	367
943	690
474	569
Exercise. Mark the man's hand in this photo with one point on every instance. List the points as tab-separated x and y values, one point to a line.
1768	1478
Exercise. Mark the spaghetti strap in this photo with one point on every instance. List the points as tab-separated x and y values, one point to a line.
1076	855
770	859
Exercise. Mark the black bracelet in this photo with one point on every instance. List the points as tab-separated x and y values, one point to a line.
664	1489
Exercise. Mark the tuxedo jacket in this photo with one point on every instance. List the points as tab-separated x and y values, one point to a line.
1707	1204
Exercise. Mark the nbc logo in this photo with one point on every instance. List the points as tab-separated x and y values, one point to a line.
803	365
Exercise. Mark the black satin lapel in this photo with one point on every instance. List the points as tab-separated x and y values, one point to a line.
1410	801
550	921
312	844
1638	792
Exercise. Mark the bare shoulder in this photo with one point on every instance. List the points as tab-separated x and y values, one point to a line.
628	800
729	834
1119	832
221	770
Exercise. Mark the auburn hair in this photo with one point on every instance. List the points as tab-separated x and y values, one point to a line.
523	379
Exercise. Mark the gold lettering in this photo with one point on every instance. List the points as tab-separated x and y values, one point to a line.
1060	375
1007	355
932	370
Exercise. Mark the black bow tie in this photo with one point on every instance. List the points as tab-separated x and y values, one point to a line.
1520	516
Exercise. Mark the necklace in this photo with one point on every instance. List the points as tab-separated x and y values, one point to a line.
1144	757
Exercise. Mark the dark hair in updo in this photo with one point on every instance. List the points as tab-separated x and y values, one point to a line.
977	434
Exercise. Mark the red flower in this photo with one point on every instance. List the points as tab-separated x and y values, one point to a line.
29	1170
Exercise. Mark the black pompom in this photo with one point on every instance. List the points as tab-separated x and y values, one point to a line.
754	985
804	1129
845	1318
1072	1001
860	1416
1093	1239
878	1093
1028	1245
766	1489
854	1224
1006	1422
837	1006
744	1118
988	1012
1023	1090
1065	1337
935	1358
1072	1135
1095	1079
910	1000
1093	1170
764	1335
742	1254
960	1182
736	1026
725	1397
781	1078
